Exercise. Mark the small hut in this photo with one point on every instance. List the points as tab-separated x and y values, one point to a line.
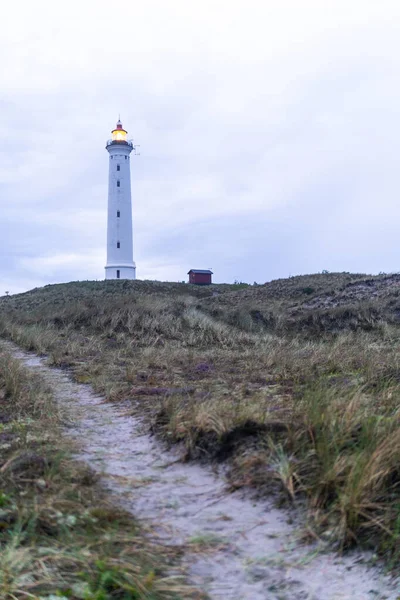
200	276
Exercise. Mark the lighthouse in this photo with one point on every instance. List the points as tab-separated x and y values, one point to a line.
120	264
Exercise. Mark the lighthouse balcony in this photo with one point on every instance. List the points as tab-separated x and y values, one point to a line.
119	143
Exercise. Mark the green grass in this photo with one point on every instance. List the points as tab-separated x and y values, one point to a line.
59	536
295	383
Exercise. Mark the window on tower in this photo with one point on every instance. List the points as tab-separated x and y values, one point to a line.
118	244
118	273
118	213
118	168
118	183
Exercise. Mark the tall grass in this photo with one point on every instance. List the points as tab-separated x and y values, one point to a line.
296	383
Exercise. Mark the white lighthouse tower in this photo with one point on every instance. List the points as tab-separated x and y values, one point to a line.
120	263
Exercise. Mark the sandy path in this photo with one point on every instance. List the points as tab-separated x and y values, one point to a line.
253	552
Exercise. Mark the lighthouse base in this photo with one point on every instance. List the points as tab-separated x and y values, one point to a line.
120	272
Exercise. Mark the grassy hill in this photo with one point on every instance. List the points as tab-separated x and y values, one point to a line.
296	382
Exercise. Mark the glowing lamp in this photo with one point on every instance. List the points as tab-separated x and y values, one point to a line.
119	134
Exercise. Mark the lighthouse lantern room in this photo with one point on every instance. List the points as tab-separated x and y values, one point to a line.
120	264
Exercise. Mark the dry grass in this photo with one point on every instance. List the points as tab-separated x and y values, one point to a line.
59	537
296	383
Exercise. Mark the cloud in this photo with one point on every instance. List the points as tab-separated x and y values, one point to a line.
269	136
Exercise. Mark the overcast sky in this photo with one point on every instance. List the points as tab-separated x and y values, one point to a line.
269	133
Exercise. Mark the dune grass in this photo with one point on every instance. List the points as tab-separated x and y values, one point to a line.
59	536
296	383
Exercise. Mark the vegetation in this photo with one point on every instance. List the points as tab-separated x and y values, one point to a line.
296	383
59	538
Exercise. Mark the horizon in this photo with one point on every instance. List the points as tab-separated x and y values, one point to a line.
181	282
